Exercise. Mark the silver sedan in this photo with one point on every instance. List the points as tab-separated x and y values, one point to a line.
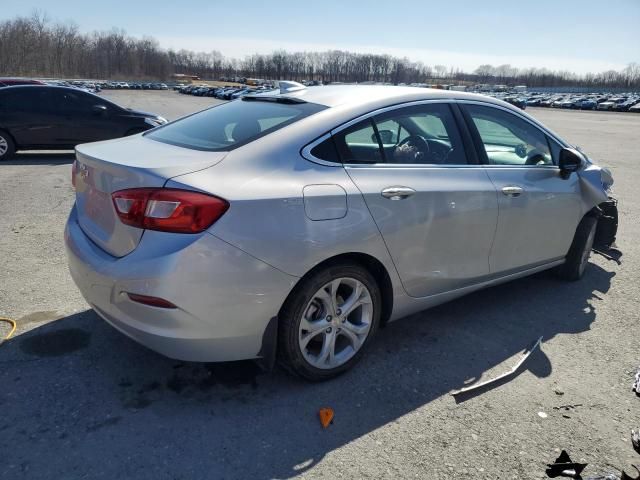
290	225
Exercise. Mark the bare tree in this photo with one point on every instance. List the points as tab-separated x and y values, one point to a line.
34	46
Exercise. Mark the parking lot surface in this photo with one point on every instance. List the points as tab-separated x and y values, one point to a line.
80	400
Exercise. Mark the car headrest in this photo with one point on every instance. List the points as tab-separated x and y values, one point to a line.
245	129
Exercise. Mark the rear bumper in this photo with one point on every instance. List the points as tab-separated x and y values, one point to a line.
225	297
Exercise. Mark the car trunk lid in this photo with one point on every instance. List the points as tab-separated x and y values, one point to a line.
133	162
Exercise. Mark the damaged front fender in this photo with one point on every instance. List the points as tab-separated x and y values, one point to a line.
592	182
595	183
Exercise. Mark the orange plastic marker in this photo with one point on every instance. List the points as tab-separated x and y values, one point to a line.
326	416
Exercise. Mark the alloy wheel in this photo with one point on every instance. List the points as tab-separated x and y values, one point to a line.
335	323
4	146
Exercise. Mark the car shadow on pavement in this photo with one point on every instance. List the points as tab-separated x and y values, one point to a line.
80	399
41	158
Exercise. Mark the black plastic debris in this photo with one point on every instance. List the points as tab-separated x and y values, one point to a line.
607	227
565	467
636	383
635	440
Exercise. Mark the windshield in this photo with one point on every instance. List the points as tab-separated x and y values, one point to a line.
232	124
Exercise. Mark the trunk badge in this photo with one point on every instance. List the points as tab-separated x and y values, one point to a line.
83	171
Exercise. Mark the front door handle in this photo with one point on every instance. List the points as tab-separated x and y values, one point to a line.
512	191
397	193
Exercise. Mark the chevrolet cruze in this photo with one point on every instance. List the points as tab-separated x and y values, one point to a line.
290	225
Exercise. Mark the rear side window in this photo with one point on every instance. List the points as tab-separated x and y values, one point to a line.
32	100
326	150
232	124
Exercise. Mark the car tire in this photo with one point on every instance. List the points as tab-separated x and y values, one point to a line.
7	147
303	354
580	250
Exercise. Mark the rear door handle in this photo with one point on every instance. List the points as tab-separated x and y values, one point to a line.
512	191
397	193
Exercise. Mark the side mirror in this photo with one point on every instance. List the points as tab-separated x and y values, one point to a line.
570	161
99	109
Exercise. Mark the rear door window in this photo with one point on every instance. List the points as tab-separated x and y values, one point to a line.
232	124
30	100
67	101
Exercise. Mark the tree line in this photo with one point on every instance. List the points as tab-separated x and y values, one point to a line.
35	46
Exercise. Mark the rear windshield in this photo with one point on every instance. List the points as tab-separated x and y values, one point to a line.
232	124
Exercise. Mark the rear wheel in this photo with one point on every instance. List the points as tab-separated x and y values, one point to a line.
580	250
328	321
7	147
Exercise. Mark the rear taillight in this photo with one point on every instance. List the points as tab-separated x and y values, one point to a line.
168	210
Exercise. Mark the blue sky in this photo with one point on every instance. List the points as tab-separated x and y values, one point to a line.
587	35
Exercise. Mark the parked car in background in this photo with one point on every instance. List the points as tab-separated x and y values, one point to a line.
517	101
625	105
226	94
587	104
608	105
242	93
358	214
34	117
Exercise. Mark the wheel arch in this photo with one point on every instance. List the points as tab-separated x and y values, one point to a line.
374	266
8	134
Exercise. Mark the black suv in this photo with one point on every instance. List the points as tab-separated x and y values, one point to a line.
59	118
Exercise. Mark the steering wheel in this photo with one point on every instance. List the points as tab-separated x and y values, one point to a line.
413	149
534	157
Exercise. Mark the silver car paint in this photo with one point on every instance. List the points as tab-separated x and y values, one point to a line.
106	167
324	202
440	237
537	225
225	297
274	233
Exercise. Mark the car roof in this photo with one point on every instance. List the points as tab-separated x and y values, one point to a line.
354	95
13	88
22	79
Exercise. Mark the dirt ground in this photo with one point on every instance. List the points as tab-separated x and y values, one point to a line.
80	400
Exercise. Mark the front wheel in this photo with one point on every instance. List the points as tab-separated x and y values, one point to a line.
7	147
580	250
328	321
